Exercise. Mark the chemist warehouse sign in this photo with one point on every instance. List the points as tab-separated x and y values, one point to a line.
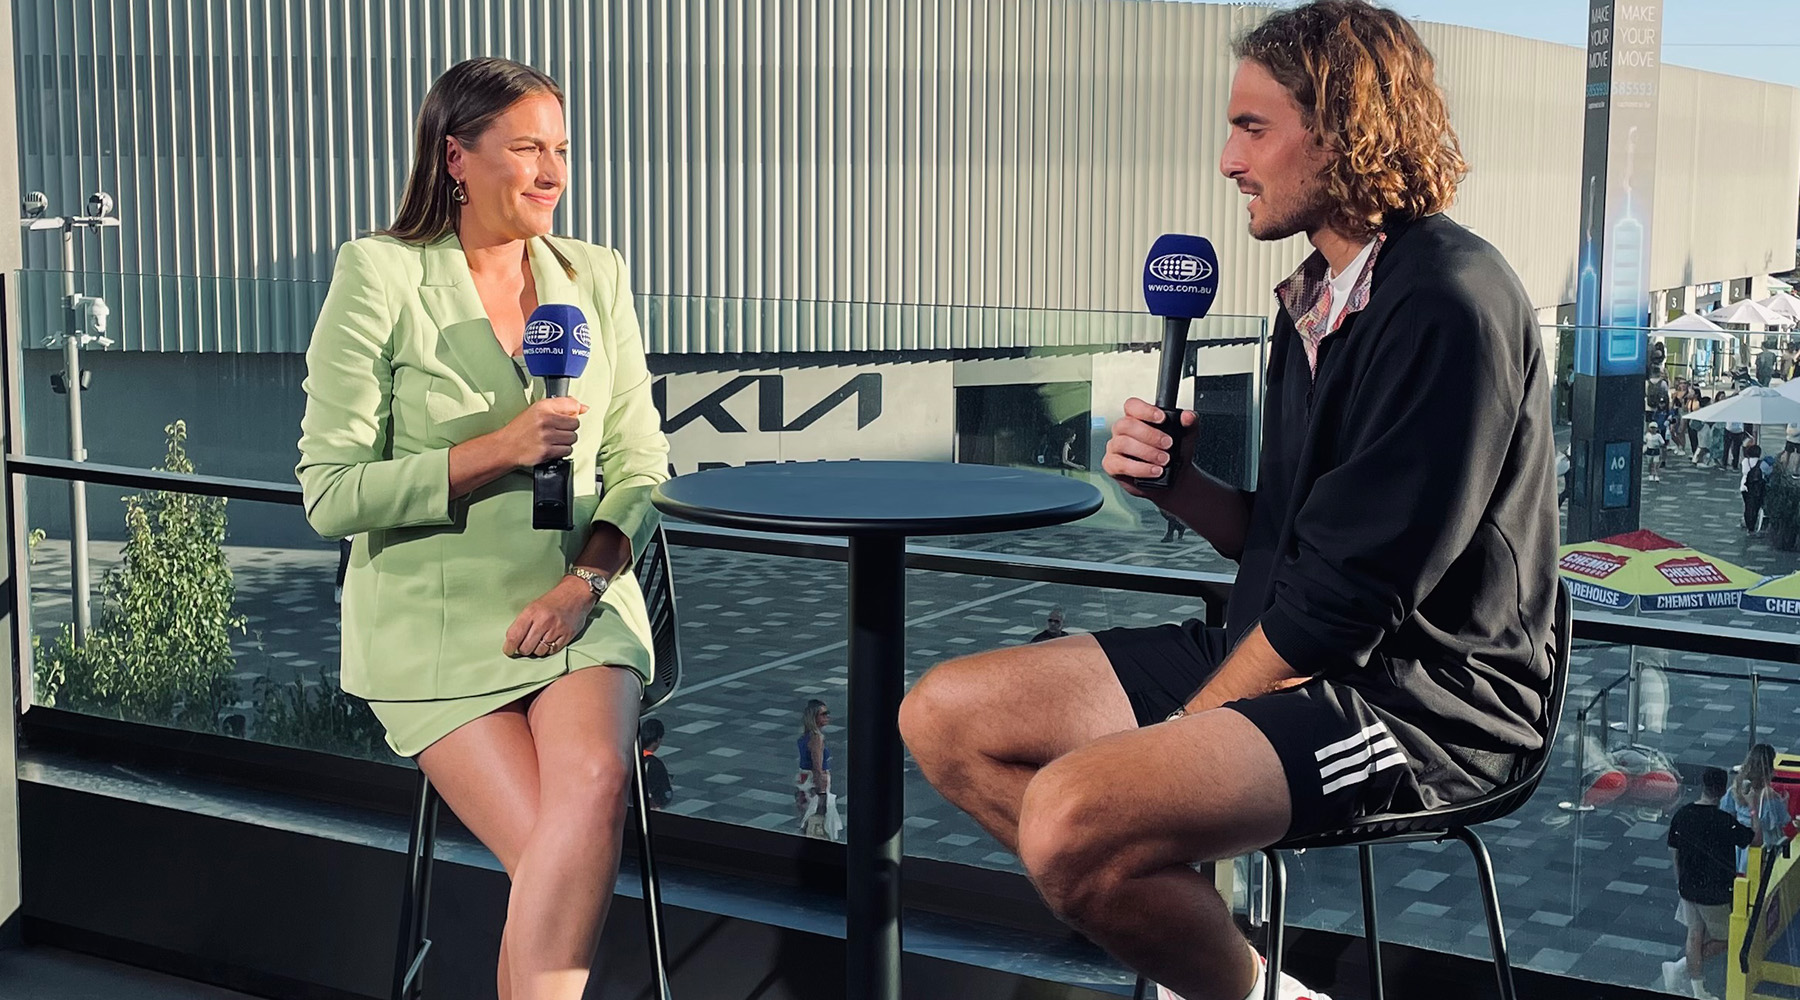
892	412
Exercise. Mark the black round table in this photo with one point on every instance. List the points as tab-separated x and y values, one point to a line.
876	505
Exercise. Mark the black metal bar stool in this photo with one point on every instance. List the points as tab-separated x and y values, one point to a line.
1434	825
654	579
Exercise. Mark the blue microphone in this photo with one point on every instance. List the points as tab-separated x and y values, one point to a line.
1181	279
556	350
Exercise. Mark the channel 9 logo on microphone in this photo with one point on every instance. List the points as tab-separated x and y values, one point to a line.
1180	269
1181	276
546	335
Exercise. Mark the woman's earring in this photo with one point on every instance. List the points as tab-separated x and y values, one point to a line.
457	194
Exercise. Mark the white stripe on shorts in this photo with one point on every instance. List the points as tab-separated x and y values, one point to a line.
1359	740
1357	758
1362	756
1364	773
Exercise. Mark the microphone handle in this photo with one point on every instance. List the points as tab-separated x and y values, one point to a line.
1168	390
553	483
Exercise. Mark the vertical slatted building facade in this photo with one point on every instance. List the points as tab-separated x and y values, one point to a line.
795	175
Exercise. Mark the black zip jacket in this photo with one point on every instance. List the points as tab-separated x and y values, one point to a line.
1402	538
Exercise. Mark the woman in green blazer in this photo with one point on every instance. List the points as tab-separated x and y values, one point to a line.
465	629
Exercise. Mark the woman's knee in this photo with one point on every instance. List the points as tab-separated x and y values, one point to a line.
591	787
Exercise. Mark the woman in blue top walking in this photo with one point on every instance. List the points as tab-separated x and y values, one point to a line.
812	789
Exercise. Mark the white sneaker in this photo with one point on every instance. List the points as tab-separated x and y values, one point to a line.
1675	978
1700	991
1291	989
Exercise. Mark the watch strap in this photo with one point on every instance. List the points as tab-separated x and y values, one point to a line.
595	581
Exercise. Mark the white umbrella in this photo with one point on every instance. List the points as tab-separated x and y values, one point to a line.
1695	327
1755	405
1748	311
1783	304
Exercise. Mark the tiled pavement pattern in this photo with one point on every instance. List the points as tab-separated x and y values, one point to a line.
1590	896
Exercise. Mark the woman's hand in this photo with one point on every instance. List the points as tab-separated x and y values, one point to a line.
545	432
548	623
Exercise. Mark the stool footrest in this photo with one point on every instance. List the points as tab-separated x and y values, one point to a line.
412	972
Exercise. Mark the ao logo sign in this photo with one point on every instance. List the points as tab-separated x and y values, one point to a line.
1180	268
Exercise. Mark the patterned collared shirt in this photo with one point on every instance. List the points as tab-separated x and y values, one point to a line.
1304	295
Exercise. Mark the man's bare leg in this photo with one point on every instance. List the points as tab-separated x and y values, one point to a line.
1108	833
982	726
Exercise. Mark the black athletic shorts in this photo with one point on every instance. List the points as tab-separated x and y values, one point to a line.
1344	758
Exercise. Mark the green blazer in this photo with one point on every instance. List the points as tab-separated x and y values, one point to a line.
404	364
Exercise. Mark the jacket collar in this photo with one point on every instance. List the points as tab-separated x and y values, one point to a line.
446	267
448	293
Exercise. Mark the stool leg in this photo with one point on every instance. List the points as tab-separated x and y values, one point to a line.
415	906
1490	897
1371	927
659	959
1274	871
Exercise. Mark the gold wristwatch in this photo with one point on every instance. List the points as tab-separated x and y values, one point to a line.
596	582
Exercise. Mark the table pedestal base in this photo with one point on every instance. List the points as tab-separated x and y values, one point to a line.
877	683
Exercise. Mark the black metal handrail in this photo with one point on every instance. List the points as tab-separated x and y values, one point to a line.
1214	589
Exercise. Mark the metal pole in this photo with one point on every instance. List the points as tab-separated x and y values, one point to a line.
78	527
1755	689
1633	701
877	682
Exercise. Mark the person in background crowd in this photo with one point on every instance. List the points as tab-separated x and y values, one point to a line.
1054	629
659	791
1752	485
813	796
1653	448
1694	427
1781	498
1703	840
1176	530
1755	804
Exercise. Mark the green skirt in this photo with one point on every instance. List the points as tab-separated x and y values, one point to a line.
414	725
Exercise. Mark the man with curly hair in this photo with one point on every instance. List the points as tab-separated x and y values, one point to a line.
1388	642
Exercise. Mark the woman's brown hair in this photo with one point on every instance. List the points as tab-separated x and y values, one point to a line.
462	103
1759	767
1366	88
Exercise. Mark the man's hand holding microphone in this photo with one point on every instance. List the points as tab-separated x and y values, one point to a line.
1141	449
1151	453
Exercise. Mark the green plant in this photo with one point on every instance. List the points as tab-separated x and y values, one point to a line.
160	646
318	716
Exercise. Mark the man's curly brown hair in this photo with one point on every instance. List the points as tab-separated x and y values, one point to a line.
1366	89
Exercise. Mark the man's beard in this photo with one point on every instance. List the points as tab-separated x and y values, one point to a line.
1310	214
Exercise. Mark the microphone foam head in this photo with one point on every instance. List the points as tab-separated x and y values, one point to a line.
1181	276
556	342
